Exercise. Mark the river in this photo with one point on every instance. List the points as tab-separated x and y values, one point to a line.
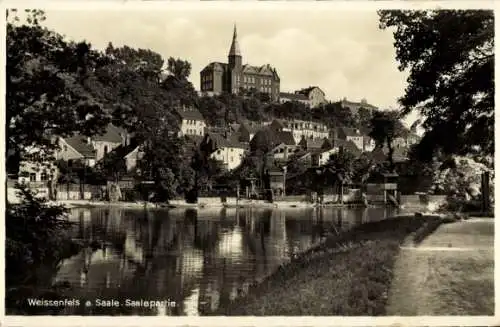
194	261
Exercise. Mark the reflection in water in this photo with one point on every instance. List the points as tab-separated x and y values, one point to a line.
198	259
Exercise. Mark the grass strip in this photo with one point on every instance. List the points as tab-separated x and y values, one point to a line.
349	274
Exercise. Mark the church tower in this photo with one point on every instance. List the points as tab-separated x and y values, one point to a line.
234	57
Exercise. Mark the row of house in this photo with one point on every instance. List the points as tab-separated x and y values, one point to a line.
87	151
300	140
289	135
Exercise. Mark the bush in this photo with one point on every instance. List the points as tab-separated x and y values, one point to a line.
131	195
456	204
462	179
36	240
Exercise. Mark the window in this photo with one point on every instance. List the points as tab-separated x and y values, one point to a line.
105	150
65	148
44	177
32	177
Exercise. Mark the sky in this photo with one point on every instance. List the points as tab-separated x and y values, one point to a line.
342	51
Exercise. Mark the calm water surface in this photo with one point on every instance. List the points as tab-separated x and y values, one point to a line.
199	260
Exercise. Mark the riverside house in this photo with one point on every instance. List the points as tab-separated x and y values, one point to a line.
352	134
76	148
228	150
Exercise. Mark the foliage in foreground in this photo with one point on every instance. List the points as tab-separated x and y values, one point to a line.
450	58
35	239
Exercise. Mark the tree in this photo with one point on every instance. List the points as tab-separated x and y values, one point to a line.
113	165
143	61
363	117
385	127
177	84
31	245
45	87
161	164
450	58
339	170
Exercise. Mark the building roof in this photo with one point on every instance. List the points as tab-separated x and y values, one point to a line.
285	137
315	143
222	142
215	66
190	113
80	144
251	126
235	46
308	90
122	151
348	145
112	134
234	126
266	70
293	96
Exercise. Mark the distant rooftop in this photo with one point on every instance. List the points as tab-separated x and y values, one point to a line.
293	96
190	113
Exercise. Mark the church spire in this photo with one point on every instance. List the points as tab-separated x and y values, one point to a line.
235	47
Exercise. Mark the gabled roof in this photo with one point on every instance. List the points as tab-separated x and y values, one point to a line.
80	144
260	70
112	134
250	126
122	151
285	137
348	145
190	113
315	143
293	96
216	66
299	154
308	90
221	142
234	126
235	46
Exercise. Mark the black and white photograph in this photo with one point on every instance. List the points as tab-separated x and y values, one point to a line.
254	160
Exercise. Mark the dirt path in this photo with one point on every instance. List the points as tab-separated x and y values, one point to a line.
449	273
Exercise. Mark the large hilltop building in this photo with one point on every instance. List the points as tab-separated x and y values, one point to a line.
233	76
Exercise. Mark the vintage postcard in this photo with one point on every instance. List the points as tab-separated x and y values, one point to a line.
324	163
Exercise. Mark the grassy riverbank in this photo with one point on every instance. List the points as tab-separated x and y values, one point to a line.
349	274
